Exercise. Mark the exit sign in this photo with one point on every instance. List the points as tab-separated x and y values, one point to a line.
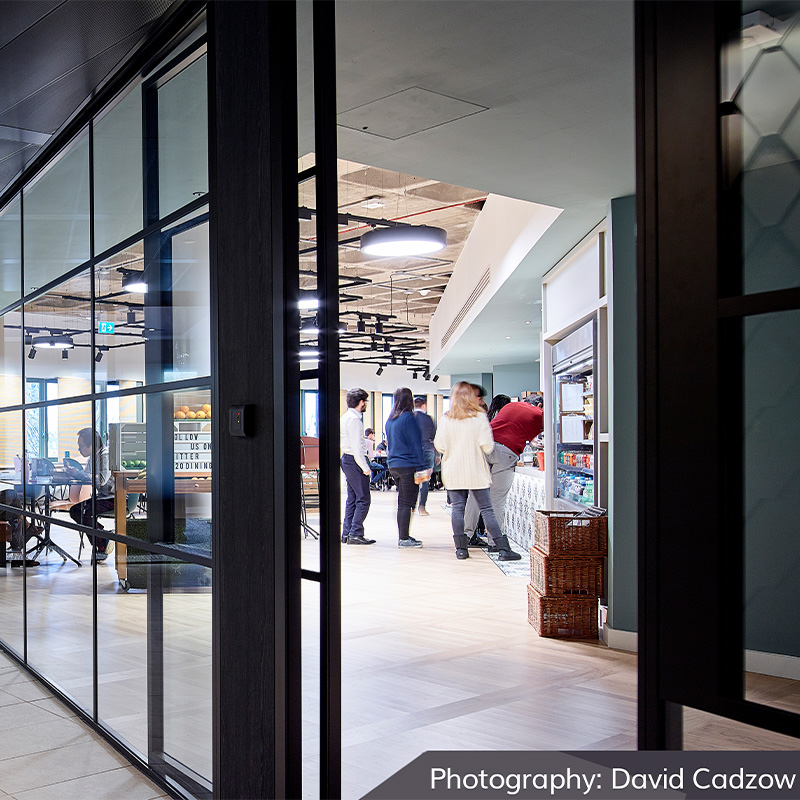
105	327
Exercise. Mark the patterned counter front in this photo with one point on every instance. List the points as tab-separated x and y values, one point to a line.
526	496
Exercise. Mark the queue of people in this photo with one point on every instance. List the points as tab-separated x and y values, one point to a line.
479	447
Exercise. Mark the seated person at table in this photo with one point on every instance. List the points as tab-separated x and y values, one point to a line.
90	443
377	468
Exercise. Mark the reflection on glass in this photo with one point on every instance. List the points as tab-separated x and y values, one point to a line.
771	473
310	680
183	138
60	634
10	253
118	172
191	320
56	218
187	666
162	480
122	660
120	319
763	78
11	587
11	358
58	337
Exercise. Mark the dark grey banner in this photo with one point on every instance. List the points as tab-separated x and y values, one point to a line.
616	775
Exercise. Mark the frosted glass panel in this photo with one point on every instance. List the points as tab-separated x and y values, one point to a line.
10	253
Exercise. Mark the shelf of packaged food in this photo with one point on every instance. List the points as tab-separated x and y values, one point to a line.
579	470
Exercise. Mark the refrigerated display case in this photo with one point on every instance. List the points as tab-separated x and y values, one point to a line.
575	433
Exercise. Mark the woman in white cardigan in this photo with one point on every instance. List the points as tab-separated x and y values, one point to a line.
464	439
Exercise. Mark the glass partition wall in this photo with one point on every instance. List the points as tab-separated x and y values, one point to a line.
106	420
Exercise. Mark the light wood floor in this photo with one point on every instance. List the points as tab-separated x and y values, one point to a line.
437	654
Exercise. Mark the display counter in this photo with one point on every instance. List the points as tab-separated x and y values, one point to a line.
527	495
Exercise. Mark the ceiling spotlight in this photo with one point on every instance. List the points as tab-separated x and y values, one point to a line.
53	341
527	322
406	240
28	338
426	375
379	371
98	356
65	354
308	302
413	376
134	282
303	214
131	317
394	360
403	361
373	345
424	292
378	327
435	378
32	354
361	326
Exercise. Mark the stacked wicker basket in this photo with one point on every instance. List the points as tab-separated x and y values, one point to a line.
566	573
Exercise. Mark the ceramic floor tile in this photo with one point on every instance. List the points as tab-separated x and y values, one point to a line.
126	783
48	735
55	766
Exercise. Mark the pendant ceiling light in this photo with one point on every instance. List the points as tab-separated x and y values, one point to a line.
53	341
134	282
405	240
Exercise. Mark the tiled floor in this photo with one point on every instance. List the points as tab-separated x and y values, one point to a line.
46	753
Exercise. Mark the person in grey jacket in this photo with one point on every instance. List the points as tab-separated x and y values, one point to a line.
427	430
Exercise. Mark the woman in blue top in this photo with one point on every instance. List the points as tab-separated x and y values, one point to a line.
405	458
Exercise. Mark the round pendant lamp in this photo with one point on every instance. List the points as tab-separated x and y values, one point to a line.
406	240
55	341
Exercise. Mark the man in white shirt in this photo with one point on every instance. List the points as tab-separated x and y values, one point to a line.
356	468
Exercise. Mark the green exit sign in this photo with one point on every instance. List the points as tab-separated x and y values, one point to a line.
105	327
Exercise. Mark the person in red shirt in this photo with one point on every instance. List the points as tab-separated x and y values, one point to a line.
515	424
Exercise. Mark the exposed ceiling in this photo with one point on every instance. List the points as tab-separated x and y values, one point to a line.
531	99
546	114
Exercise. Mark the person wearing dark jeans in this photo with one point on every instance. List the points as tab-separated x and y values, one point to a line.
357	505
405	458
98	472
356	468
484	501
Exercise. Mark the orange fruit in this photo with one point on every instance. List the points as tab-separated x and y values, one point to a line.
201	415
207	408
185	409
191	415
180	415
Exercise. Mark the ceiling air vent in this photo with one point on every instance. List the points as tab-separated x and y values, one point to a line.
480	287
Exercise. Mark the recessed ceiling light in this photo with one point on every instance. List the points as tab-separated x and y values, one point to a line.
310	302
508	337
527	322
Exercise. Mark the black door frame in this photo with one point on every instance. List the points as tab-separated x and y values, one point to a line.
691	554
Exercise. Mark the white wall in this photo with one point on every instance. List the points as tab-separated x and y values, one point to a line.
504	233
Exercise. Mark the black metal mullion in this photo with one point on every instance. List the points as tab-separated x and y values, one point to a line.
324	47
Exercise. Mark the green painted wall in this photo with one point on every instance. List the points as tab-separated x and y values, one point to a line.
622	594
513	379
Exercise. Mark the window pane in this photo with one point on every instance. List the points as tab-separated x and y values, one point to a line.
60	634
58	324
56	218
118	172
11	359
764	79
11	588
10	253
187	665
183	138
771	471
163	445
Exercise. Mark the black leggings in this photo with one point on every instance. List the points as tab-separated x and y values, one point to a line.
407	492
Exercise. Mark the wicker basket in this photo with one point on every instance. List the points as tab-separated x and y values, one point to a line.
559	532
567	575
563	617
